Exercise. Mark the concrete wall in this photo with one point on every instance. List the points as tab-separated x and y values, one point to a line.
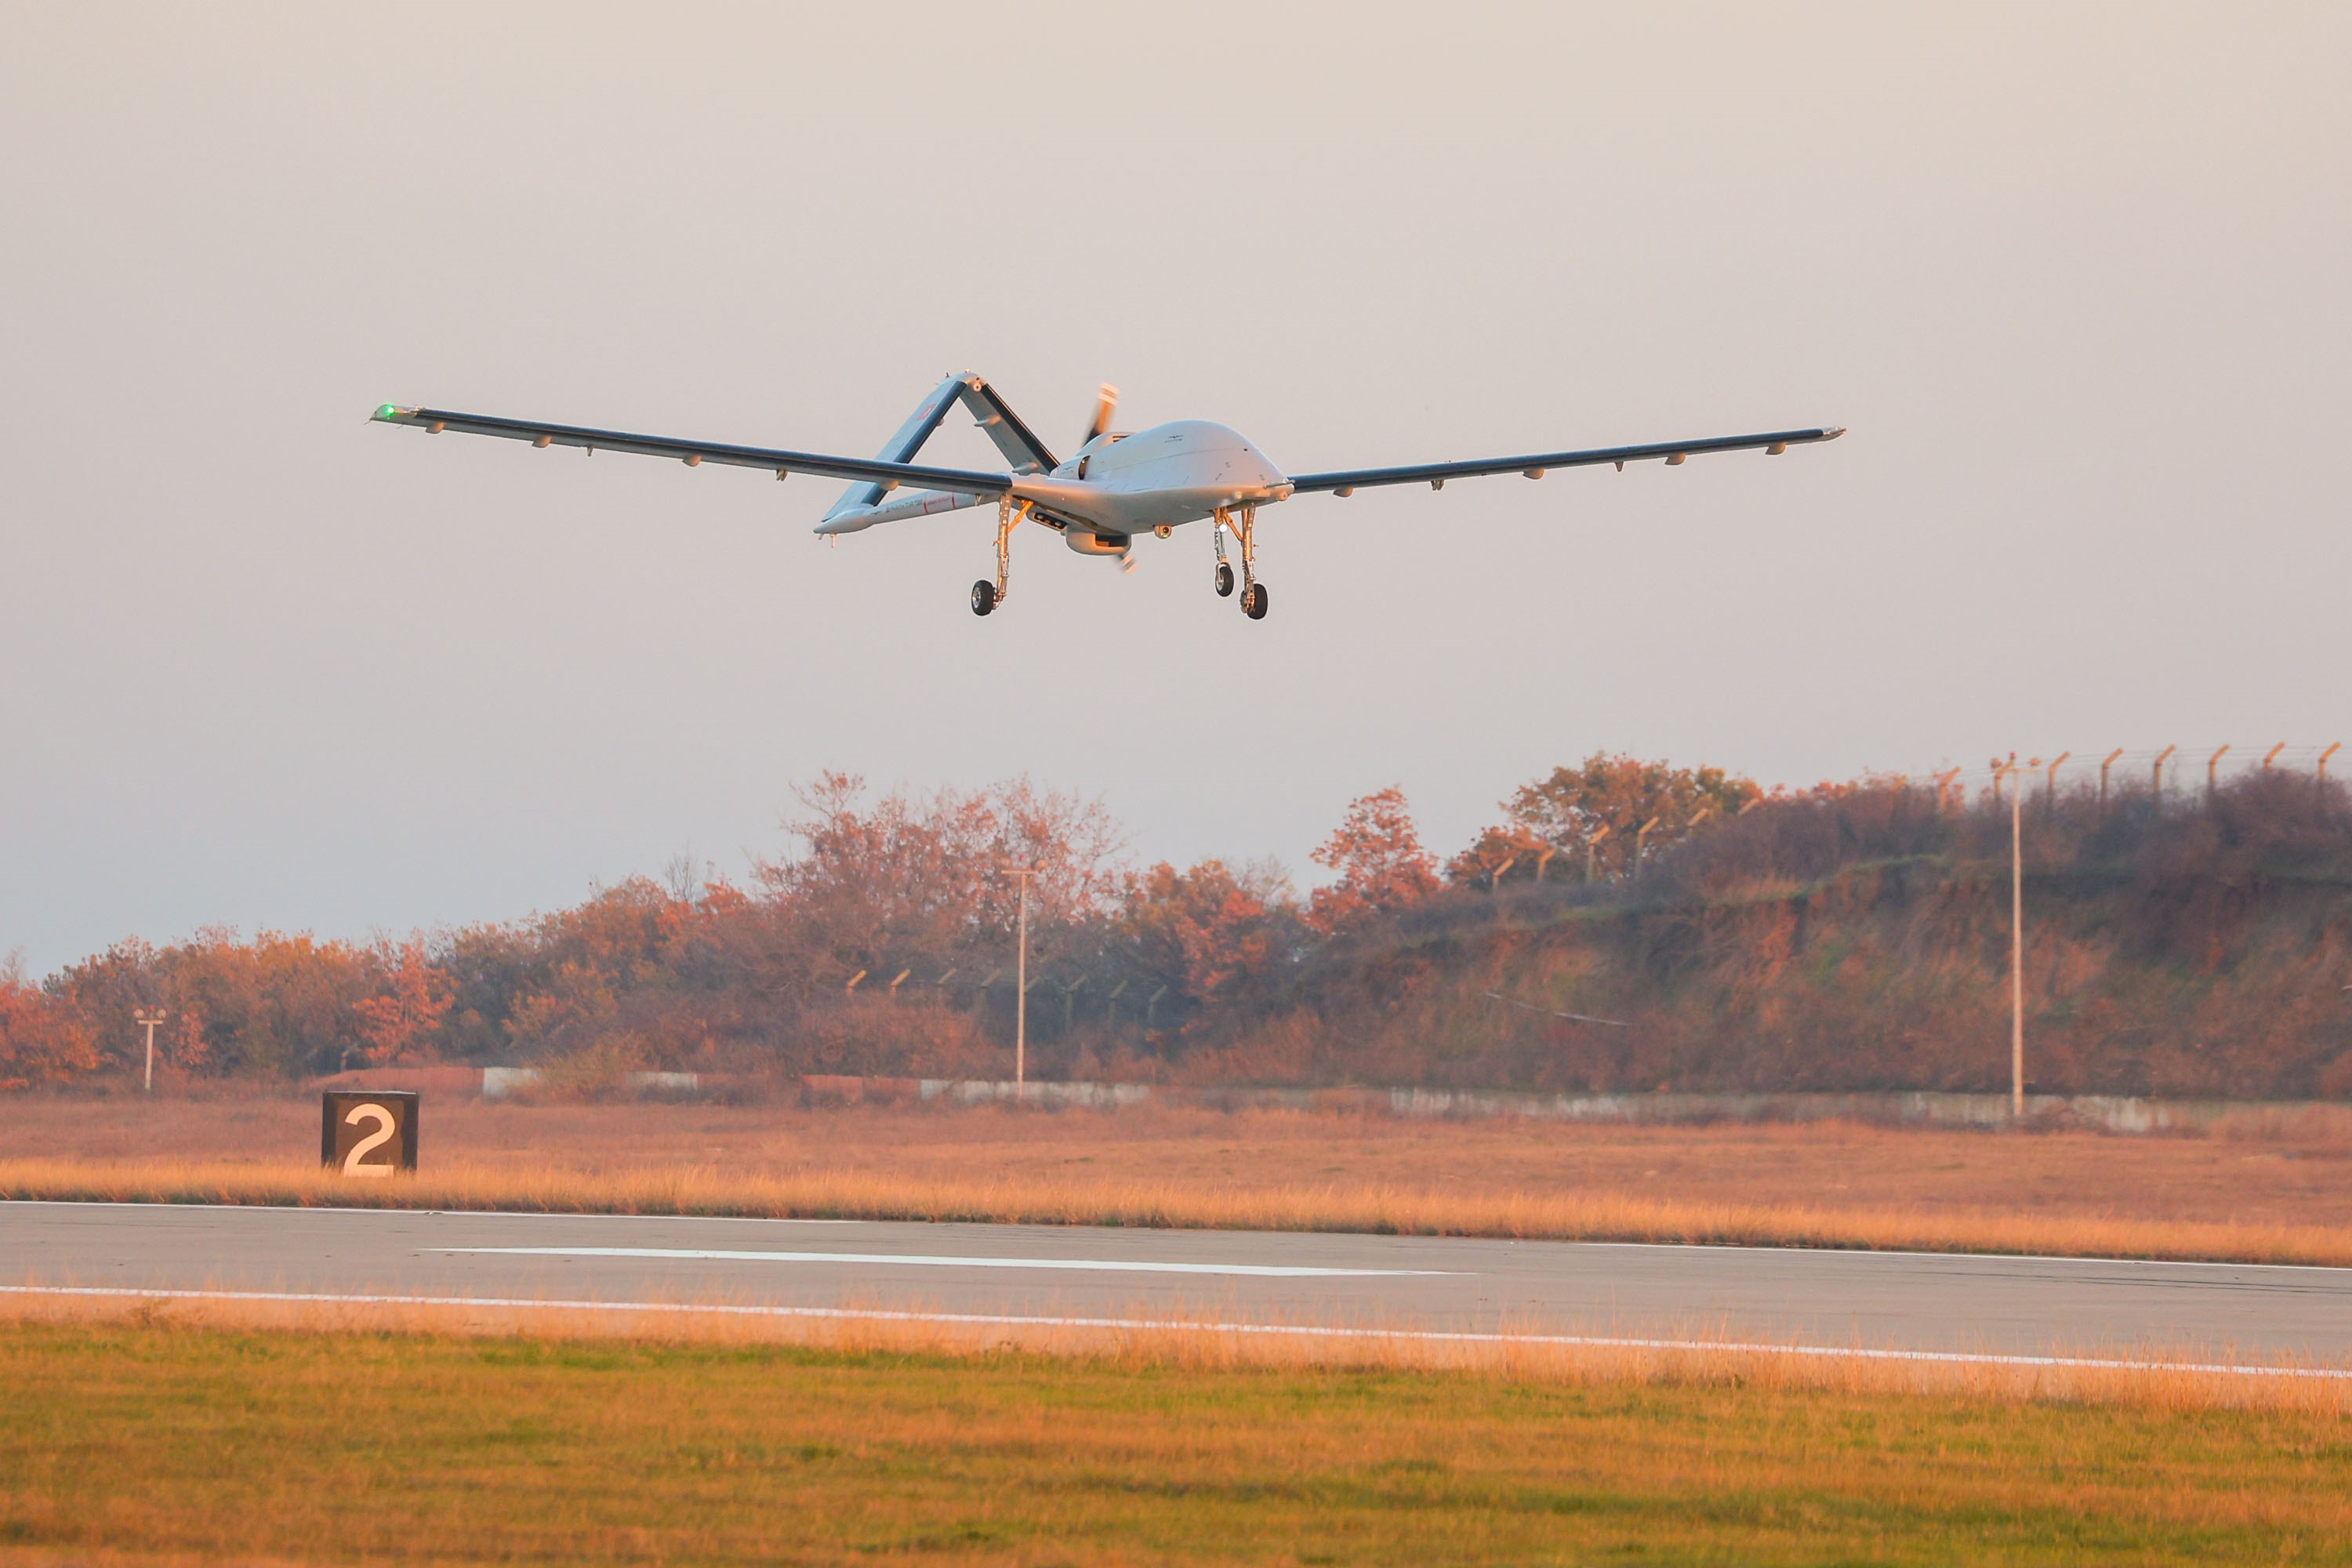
2107	1113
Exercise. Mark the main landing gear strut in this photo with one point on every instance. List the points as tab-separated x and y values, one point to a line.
1253	590
986	596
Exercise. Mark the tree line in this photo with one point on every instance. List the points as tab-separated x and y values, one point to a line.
1849	935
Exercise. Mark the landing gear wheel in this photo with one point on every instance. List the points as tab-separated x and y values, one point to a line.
1225	580
1254	601
983	596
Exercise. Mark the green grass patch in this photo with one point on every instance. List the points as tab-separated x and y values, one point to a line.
199	1444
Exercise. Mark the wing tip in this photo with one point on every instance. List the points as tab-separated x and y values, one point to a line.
391	413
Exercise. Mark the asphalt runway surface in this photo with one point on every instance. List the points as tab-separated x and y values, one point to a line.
1888	1300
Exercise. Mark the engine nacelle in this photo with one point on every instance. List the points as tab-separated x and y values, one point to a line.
1089	544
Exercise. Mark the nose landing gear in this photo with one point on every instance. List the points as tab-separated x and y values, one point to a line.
1253	590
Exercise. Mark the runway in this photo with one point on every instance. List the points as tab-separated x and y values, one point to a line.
1905	1303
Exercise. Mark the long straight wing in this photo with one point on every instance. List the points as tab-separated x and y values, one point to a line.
693	453
1535	463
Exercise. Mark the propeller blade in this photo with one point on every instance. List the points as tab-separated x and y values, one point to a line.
1106	405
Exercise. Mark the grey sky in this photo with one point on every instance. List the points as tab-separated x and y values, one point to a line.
2074	276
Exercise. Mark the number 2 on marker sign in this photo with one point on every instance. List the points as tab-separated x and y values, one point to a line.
382	1135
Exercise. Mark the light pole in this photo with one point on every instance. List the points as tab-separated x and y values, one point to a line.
149	1020
1021	988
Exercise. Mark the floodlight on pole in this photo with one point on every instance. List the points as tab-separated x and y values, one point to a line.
149	1020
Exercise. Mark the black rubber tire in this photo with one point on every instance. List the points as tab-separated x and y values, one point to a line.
1225	580
1254	601
983	596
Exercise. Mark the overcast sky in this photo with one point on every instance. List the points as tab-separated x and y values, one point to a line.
2076	277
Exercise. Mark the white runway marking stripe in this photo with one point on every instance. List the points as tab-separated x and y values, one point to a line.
934	1260
1131	1325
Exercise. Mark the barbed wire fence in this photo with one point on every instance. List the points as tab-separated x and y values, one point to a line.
2176	774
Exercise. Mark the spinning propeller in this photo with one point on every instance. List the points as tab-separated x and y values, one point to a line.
1106	405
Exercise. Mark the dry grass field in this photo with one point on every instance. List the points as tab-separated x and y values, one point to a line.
160	1443
2281	1192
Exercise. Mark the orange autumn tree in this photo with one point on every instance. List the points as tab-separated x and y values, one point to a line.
40	1042
1381	865
399	1021
1594	813
1207	932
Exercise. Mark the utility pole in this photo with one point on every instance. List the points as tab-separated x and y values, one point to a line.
149	1020
2016	941
1021	988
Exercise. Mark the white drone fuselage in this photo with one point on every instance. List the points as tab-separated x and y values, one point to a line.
1117	486
1161	478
